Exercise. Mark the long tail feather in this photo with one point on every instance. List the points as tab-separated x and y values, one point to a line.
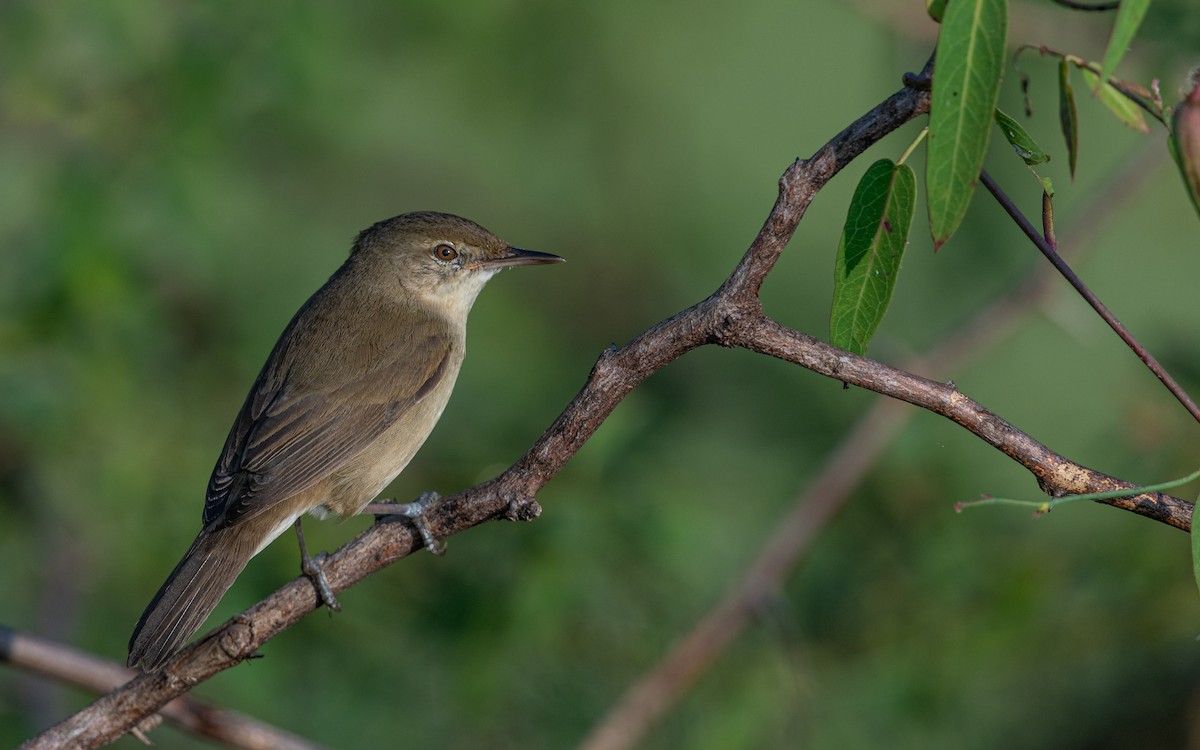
191	593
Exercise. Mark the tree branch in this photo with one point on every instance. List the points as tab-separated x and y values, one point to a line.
66	664
653	694
732	317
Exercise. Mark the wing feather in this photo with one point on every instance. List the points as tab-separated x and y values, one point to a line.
297	427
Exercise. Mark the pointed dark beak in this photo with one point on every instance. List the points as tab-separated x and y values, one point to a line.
518	257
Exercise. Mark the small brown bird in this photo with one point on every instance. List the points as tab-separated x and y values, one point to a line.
349	393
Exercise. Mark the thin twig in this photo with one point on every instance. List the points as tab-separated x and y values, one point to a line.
1147	100
1056	260
1076	5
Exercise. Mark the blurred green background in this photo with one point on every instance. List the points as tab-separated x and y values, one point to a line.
177	178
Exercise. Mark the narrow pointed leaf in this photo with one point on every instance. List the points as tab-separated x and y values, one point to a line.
1020	140
1119	104
1129	18
868	258
1067	116
966	84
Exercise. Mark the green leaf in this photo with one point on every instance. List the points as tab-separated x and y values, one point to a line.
1067	116
936	9
1129	17
966	84
868	257
1117	103
1020	140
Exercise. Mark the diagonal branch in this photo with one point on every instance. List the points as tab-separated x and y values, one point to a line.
1046	246
731	317
67	664
1057	475
656	691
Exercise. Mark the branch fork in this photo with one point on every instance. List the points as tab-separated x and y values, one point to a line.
731	317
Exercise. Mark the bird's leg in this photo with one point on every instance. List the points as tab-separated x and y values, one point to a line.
415	512
311	567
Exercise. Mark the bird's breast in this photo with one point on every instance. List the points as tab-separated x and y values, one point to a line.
363	477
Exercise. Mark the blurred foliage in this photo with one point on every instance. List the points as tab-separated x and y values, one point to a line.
178	177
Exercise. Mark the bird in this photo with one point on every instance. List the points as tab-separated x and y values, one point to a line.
347	396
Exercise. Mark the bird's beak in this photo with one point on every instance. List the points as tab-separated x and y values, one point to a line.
515	256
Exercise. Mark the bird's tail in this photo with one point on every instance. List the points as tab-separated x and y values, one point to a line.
191	593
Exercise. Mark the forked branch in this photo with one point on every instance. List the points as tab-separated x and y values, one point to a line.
731	317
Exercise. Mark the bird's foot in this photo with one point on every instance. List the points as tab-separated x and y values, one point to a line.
313	568
415	512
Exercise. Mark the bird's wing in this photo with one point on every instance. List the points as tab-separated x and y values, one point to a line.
298	427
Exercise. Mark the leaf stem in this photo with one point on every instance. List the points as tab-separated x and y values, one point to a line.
1044	506
912	146
1048	219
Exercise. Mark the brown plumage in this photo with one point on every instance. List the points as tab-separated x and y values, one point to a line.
355	384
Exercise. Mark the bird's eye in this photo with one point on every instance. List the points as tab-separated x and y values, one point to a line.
445	252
